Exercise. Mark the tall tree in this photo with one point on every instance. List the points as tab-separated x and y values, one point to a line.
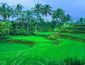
5	11
18	10
17	14
46	9
29	17
58	15
81	20
67	18
37	11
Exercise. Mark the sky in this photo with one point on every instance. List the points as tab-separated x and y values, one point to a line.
76	8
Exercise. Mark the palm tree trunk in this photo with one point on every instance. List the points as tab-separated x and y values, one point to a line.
45	23
17	22
4	17
35	28
27	27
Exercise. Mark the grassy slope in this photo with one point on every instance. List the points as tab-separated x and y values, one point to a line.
82	36
64	50
46	33
14	48
11	49
36	39
67	48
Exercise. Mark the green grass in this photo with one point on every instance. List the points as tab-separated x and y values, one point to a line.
44	50
82	36
46	33
5	47
36	39
72	49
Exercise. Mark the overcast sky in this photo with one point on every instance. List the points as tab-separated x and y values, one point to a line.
76	8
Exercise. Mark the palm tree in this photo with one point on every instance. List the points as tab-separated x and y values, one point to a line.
58	15
37	12
28	17
37	9
67	18
46	9
9	12
18	10
81	20
17	13
5	11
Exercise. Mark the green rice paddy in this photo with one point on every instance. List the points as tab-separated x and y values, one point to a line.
43	48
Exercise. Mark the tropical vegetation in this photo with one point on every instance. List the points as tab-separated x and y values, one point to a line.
30	37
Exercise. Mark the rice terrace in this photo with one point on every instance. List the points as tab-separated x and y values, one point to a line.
41	32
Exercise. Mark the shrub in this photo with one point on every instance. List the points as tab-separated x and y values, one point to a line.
4	29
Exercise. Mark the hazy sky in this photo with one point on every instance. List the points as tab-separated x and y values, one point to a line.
75	8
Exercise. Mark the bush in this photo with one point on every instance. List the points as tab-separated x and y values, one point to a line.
4	29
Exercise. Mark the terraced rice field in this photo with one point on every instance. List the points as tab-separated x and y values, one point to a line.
43	50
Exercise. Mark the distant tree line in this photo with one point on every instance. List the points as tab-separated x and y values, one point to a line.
17	21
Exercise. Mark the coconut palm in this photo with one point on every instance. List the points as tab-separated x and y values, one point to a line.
18	10
37	14
46	9
9	12
5	11
29	17
67	18
81	20
17	14
37	9
58	15
26	18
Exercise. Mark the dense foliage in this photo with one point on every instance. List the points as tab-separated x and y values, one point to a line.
43	46
25	22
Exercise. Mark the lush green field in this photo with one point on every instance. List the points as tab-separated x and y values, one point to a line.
82	36
42	52
36	39
46	33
